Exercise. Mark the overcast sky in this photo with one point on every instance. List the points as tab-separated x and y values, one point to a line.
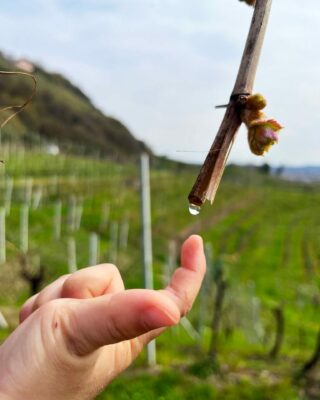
160	66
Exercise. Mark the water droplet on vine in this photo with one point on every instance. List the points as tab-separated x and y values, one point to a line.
194	209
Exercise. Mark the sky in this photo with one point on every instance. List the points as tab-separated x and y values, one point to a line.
160	66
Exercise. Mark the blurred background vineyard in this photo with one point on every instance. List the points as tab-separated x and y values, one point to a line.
70	197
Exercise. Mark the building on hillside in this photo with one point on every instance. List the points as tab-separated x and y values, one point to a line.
25	65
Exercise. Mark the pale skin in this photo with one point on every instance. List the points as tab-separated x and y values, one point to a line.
84	329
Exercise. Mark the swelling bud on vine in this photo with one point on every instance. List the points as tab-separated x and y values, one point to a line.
249	2
262	132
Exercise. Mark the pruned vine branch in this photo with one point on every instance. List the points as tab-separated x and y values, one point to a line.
208	180
18	108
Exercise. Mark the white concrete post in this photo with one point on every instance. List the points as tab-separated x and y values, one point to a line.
8	195
113	246
72	255
94	242
147	240
124	234
24	228
2	235
57	220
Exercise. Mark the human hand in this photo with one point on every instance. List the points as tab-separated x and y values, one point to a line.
81	331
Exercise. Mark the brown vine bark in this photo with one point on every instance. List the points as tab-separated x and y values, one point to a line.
34	279
217	314
208	180
280	324
312	362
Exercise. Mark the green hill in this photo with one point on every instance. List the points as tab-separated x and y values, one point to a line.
61	114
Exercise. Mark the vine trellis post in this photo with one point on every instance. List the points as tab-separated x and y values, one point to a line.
147	240
208	180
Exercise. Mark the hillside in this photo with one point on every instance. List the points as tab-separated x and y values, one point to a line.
62	114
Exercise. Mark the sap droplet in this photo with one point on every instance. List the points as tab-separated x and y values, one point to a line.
194	209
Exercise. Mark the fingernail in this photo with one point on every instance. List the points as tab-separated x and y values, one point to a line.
154	318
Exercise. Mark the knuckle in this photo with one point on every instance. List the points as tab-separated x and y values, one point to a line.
116	332
111	268
113	271
76	287
71	286
39	301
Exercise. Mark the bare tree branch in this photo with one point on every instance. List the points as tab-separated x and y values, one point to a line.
211	172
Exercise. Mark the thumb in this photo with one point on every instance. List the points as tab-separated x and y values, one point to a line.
114	318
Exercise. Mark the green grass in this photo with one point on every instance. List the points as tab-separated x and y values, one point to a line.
264	233
173	385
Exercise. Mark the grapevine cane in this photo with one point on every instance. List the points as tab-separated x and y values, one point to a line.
208	180
18	108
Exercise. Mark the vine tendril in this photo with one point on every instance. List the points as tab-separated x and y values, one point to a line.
18	108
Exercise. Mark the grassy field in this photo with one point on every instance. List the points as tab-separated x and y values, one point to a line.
262	236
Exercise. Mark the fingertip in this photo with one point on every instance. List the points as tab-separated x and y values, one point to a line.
192	253
196	239
193	242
